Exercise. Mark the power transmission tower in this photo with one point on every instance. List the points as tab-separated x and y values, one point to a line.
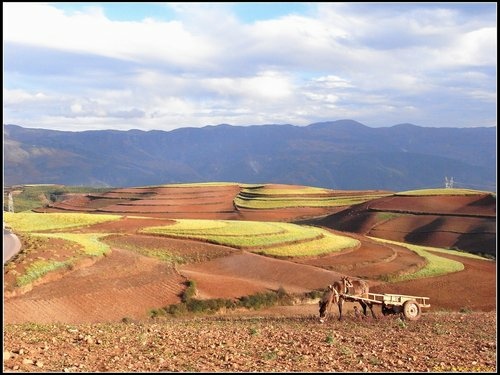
448	184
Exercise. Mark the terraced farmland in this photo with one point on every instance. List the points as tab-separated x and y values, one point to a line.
161	237
448	218
201	199
283	196
233	201
279	239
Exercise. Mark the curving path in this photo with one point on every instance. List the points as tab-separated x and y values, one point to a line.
11	245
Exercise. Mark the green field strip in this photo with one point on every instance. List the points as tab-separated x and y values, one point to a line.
433	249
220	228
443	191
32	196
250	242
310	198
32	221
301	240
327	244
187	225
269	203
89	245
40	268
90	242
291	191
436	265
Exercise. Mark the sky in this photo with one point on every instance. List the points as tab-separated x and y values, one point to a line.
151	65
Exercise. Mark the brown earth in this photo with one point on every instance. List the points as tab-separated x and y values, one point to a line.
192	202
126	285
104	290
438	342
466	222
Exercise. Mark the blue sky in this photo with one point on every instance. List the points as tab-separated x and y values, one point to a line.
82	66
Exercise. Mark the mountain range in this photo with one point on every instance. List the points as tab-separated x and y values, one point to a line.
342	154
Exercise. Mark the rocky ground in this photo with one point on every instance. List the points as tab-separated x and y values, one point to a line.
437	342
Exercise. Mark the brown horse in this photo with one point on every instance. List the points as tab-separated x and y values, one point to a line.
339	292
325	304
357	288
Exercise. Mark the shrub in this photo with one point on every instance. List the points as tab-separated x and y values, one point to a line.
313	294
209	305
153	313
259	300
190	291
256	301
176	309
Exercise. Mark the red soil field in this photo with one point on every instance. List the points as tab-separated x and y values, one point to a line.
475	205
466	222
122	284
127	284
194	202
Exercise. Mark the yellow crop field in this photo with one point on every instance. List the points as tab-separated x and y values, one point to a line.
33	222
301	201
442	191
280	239
436	265
90	242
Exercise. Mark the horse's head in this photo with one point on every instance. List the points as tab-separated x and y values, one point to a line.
325	302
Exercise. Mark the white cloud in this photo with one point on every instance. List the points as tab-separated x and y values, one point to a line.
342	60
332	82
266	85
477	47
18	96
91	32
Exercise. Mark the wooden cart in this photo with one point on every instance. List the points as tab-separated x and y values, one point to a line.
410	306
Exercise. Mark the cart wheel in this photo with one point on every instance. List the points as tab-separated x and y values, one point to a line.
411	310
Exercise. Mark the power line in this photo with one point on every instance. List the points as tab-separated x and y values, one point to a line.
450	182
468	184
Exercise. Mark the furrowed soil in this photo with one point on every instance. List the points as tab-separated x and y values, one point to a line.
95	317
438	342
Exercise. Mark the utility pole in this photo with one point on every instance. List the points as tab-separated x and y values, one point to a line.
10	202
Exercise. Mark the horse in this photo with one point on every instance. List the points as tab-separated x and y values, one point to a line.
357	288
337	292
331	295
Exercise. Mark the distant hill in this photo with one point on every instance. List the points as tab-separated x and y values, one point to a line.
337	155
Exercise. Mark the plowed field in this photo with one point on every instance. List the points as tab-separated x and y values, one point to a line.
58	324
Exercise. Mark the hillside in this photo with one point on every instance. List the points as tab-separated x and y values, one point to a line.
338	155
446	218
103	279
449	218
231	259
